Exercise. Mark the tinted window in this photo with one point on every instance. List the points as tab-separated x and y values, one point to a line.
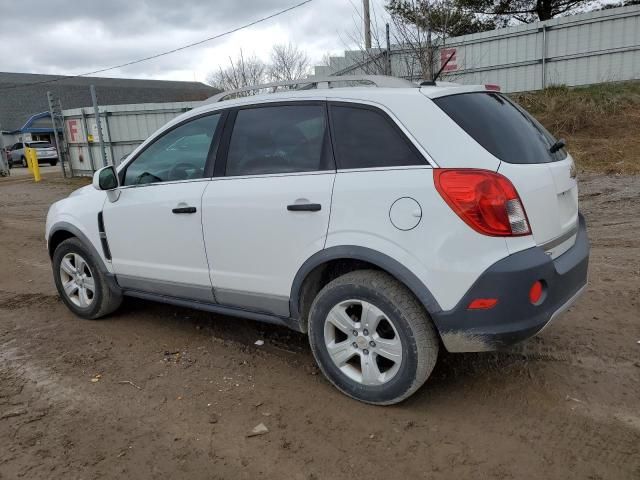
503	128
280	139
366	138
181	154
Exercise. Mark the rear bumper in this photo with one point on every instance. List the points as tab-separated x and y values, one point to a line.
514	318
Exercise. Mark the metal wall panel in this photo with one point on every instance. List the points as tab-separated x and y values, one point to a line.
582	49
124	127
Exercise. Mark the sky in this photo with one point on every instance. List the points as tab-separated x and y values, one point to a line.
68	37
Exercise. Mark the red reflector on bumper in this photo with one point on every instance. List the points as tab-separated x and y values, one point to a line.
535	293
482	304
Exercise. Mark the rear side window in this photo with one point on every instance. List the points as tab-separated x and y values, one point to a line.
367	138
503	128
279	139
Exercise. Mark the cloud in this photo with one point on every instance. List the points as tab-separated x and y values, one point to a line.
68	37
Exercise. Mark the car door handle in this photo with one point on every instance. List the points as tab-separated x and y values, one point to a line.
184	210
304	207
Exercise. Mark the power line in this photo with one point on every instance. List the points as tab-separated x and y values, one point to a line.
162	54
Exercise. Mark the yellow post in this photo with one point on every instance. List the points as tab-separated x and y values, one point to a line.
27	153
32	163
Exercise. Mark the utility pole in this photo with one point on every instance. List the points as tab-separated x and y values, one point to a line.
367	24
96	112
388	59
430	53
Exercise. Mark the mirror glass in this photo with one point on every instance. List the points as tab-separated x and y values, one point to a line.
107	179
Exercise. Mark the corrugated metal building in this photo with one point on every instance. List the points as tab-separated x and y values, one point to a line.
582	49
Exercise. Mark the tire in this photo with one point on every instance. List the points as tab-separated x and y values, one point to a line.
102	300
23	162
400	318
53	163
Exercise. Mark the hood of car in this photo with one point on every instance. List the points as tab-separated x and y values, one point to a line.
82	191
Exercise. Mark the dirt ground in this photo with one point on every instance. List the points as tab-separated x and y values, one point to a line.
18	171
563	405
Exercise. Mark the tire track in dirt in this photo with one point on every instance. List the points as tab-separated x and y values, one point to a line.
15	301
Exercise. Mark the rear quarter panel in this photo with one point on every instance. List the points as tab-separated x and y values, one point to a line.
442	251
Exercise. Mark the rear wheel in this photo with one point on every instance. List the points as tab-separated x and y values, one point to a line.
371	338
80	283
53	163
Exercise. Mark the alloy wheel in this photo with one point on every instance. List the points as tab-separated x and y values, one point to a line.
77	280
363	342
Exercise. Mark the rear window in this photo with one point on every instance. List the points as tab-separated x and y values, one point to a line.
40	145
503	128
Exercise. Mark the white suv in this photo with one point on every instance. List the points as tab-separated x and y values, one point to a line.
44	150
385	222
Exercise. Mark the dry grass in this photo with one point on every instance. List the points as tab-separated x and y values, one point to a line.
601	123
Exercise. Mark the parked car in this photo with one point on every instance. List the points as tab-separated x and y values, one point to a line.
386	223
46	152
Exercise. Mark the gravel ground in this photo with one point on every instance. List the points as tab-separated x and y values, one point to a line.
158	390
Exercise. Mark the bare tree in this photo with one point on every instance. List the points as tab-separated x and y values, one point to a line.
288	62
419	29
416	37
241	72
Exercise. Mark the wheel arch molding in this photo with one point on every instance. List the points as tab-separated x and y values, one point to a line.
362	254
62	231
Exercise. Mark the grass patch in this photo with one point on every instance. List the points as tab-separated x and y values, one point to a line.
601	123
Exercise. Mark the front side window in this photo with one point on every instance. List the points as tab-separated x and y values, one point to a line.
180	154
278	139
367	138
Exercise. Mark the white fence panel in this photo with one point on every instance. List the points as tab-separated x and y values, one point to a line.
124	127
588	48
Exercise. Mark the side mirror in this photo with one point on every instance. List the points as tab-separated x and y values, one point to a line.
105	179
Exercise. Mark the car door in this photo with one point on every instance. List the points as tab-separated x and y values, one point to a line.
154	228
16	152
267	209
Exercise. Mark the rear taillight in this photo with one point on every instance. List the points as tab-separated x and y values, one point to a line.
485	200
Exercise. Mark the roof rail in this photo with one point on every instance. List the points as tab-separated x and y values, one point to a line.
317	82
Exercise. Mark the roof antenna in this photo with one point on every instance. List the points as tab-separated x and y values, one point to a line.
435	77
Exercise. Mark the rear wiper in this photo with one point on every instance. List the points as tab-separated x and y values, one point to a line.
557	146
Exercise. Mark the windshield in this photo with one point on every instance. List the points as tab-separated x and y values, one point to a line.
502	127
39	145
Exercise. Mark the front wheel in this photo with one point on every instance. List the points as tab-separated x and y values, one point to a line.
372	338
80	283
23	161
